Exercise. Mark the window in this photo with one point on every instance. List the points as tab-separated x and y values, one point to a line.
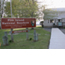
51	21
59	20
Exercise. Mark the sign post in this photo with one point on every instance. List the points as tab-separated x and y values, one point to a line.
27	35
35	36
5	39
12	35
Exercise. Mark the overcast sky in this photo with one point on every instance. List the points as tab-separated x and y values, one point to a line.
53	3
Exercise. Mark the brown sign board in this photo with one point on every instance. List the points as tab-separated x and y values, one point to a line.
11	23
20	31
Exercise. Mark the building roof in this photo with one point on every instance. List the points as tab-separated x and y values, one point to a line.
58	9
58	13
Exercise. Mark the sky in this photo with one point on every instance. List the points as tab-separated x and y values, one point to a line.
53	3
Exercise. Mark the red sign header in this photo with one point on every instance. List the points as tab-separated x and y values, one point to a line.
10	23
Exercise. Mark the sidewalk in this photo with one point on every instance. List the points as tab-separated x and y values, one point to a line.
57	40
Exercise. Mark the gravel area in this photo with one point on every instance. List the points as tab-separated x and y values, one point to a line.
63	30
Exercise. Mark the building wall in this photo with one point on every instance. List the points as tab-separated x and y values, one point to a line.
47	23
63	20
58	15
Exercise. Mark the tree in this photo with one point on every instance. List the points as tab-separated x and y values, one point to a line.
22	8
14	8
49	13
1	10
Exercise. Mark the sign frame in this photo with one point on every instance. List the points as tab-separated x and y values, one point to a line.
12	23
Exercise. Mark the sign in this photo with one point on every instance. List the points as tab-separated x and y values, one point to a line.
19	31
59	23
10	23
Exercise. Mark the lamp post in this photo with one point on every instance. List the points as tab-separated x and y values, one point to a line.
11	17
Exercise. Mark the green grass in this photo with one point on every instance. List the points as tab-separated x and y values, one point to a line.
20	41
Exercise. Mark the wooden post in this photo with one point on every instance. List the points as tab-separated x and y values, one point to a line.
27	35
5	39
12	39
35	36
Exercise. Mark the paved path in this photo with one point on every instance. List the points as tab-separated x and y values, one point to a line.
57	40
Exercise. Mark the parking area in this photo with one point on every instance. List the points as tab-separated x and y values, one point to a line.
49	29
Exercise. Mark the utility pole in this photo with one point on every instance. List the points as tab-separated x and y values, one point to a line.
0	12
11	17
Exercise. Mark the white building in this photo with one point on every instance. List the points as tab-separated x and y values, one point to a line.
60	14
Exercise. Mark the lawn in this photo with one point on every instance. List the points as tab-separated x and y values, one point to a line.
20	41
